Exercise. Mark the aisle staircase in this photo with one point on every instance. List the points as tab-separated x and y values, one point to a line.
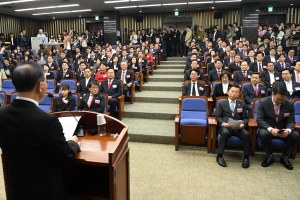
151	117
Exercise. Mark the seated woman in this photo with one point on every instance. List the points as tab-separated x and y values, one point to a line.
25	59
101	75
134	65
222	88
41	56
148	56
47	73
65	101
115	65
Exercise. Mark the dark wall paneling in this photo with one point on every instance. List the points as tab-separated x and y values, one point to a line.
9	24
292	13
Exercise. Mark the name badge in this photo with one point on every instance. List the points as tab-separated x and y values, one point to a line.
47	73
201	88
114	86
142	60
198	60
249	76
65	101
97	101
128	76
134	67
52	67
277	78
286	114
297	88
67	75
262	91
226	67
239	110
104	75
264	66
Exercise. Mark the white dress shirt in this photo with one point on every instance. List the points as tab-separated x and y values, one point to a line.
272	77
28	99
225	87
289	86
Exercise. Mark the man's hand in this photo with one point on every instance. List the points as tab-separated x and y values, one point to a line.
129	84
2	49
109	97
284	134
226	125
74	138
241	126
274	132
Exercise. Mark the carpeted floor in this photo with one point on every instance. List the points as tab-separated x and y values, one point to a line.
157	172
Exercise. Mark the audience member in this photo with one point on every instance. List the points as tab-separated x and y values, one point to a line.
65	101
194	88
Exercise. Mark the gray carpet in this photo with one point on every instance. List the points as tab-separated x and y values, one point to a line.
157	172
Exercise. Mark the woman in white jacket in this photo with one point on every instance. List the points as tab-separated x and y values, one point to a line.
133	38
279	36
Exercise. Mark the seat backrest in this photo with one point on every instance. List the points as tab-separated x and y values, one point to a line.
46	104
71	83
77	100
51	85
195	108
254	107
244	85
214	84
297	111
54	73
8	86
106	103
3	96
13	96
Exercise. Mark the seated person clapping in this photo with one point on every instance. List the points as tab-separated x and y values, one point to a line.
65	101
92	101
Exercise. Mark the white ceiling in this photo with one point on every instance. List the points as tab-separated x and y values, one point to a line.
98	6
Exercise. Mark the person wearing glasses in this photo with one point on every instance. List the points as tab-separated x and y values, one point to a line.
93	100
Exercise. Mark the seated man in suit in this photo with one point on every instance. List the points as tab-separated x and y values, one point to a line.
292	87
216	73
51	64
142	62
296	73
291	58
113	89
126	76
250	59
243	74
92	101
124	57
271	57
270	76
236	65
188	65
83	83
253	90
80	73
258	65
194	65
277	124
211	66
64	73
281	64
230	59
235	109
194	88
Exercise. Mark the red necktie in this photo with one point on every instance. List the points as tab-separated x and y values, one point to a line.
260	69
244	74
123	76
90	100
298	77
291	58
109	83
245	54
256	90
219	74
238	65
276	109
282	65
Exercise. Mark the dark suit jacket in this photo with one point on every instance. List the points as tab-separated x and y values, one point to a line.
216	36
226	61
135	68
115	89
128	76
296	89
52	67
278	67
254	66
218	91
287	59
249	93
59	105
121	58
98	103
248	60
265	77
144	63
233	67
82	89
268	59
200	87
266	115
118	67
239	77
79	76
211	67
242	54
68	75
223	112
188	73
35	174
212	76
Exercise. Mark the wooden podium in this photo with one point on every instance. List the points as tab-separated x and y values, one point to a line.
101	169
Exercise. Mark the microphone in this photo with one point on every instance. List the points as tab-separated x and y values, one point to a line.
79	129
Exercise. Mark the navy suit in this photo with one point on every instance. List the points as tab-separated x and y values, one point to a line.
294	76
233	67
227	61
97	105
242	54
212	76
254	66
287	59
296	89
129	77
188	73
248	60
278	67
265	77
216	36
115	91
268	59
239	77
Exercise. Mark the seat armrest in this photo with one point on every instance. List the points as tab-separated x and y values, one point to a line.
252	123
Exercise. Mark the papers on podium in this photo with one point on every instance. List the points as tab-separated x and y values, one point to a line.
69	125
234	124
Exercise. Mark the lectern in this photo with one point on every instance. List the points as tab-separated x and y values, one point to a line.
101	169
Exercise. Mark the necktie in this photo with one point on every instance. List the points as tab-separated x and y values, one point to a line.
298	77
256	90
282	65
260	69
291	58
245	54
238	65
123	77
90	100
244	73
276	109
109	83
232	108
193	90
108	60
219	74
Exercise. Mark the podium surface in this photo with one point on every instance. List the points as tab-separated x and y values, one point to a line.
101	169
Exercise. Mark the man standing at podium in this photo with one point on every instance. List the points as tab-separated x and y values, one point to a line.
33	141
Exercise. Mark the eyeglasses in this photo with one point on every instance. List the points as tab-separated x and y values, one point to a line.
95	87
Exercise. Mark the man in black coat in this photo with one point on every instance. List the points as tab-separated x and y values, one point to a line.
83	83
194	88
34	145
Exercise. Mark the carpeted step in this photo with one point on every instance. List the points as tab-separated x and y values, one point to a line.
163	86
166	78
158	96
169	71
176	59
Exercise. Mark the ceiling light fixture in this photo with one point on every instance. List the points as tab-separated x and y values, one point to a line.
151	5
41	14
40	8
203	2
86	10
62	12
122	7
231	1
118	1
11	2
48	7
174	4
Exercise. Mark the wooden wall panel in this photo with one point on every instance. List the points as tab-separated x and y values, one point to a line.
9	24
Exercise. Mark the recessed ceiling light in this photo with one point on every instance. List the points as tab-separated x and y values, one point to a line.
201	2
231	1
140	11
10	2
151	5
212	7
292	4
40	8
122	7
118	1
174	4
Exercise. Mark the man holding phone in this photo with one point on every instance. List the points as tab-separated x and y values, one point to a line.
277	123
